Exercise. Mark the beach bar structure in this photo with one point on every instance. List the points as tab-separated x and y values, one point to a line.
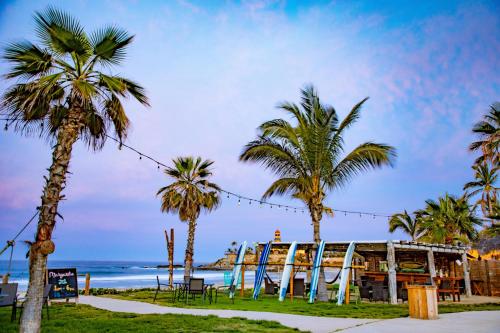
396	262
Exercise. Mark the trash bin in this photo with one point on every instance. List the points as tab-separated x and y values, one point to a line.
422	302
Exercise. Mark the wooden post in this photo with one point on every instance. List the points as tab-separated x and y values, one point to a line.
87	284
5	278
242	287
391	261
171	259
488	281
465	265
170	251
432	266
348	289
291	286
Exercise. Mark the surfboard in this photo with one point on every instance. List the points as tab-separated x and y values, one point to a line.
315	271
237	268
261	270
287	270
344	276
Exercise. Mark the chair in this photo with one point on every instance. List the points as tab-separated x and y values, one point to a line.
402	292
447	286
158	288
380	291
195	287
46	292
270	287
9	297
355	294
299	287
226	289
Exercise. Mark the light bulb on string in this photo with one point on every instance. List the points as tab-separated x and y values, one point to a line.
6	128
158	167
250	202
359	214
239	202
140	156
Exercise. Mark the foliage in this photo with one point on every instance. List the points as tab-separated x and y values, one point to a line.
412	226
67	75
449	220
307	155
488	132
191	191
485	179
85	319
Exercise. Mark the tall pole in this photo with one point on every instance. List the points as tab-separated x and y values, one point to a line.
170	250
391	260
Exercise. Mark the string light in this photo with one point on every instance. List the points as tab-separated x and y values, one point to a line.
229	193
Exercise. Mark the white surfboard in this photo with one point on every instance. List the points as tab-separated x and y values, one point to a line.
344	276
287	270
237	268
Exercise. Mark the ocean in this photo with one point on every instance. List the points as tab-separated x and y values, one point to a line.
115	274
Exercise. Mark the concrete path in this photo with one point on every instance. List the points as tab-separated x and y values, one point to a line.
461	322
303	323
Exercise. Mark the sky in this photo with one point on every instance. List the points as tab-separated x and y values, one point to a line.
214	71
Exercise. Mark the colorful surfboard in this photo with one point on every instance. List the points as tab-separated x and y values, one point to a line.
237	268
315	271
344	275
287	270
261	270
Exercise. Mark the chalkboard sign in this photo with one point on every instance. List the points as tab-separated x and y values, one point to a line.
64	283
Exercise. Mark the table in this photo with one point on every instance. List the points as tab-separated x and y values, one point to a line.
182	289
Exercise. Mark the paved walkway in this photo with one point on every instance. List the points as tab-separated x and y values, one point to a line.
460	322
304	323
466	322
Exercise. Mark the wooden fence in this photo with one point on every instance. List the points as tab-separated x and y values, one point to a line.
485	277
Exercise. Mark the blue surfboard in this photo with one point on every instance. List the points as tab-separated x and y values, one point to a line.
261	270
344	275
287	270
316	270
237	269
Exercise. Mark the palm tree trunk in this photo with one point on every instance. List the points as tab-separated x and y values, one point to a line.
43	245
188	258
316	215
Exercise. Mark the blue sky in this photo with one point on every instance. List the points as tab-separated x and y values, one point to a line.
215	70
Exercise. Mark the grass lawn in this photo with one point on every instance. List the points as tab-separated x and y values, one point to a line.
82	318
298	306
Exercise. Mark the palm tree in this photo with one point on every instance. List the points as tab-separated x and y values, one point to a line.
190	193
411	226
64	92
306	156
488	131
449	220
484	184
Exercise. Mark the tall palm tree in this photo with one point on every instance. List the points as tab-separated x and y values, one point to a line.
189	194
307	156
488	131
412	226
449	220
64	91
484	184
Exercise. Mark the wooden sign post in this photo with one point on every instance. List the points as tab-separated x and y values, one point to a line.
64	283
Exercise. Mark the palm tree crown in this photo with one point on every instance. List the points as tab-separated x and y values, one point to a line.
488	131
191	191
485	184
65	78
306	156
409	225
449	219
